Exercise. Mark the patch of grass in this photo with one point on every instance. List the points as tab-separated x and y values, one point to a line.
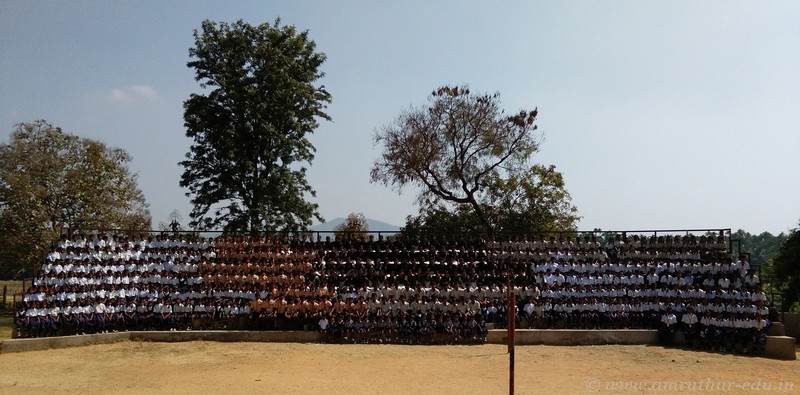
12	287
6	326
6	312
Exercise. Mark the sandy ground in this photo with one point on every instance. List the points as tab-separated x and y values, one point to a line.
283	368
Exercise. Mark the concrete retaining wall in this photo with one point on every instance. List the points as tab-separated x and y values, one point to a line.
560	337
575	337
45	343
19	345
555	337
227	336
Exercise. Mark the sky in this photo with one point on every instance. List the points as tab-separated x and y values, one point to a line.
659	114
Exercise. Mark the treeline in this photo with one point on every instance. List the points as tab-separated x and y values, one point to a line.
762	247
779	258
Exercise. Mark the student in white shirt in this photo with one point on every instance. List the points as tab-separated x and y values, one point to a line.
689	326
667	328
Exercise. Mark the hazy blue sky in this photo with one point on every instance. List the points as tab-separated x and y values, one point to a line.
660	114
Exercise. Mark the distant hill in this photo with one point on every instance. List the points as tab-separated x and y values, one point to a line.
374	225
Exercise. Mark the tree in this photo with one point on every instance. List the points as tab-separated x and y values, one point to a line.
441	220
245	168
787	270
763	247
463	152
54	183
531	201
173	224
354	227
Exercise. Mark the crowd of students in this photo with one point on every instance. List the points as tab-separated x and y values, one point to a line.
414	291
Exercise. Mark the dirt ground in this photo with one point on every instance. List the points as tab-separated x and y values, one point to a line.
284	368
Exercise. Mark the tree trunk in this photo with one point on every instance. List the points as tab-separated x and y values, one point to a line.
481	216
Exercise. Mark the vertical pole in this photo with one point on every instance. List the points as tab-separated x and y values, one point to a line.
511	313
510	310
5	289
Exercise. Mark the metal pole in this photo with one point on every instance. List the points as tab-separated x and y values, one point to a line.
511	313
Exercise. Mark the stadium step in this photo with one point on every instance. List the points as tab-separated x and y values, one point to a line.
780	347
776	329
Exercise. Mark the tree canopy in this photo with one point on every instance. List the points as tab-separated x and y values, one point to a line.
54	183
245	170
355	227
472	163
763	247
786	267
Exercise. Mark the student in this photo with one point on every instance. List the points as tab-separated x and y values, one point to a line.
705	330
729	332
760	336
689	326
130	317
666	330
323	327
100	317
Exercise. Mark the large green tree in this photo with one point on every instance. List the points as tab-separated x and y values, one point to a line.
786	267
54	183
245	170
472	164
530	201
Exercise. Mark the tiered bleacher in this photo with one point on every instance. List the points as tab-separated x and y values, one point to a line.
432	290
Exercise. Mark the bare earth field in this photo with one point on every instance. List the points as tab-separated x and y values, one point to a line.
289	368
